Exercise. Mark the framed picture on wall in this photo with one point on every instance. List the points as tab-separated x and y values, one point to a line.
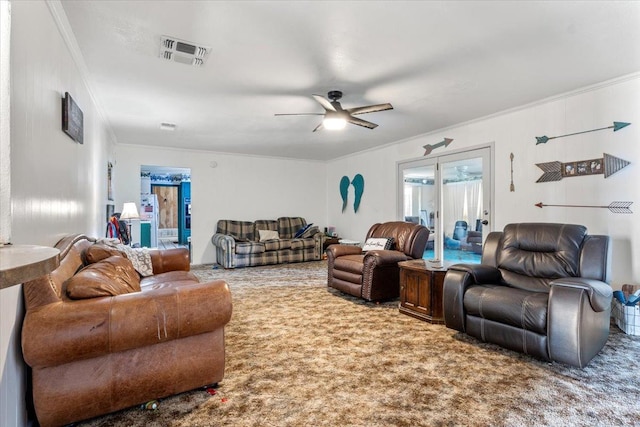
109	186
72	119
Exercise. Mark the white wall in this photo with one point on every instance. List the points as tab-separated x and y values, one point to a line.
239	187
515	131
57	185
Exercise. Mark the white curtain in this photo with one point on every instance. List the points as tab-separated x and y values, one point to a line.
462	201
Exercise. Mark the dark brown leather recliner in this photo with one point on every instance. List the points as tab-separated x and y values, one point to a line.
542	289
375	275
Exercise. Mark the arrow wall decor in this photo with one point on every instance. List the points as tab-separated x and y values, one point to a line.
607	165
615	207
429	148
616	127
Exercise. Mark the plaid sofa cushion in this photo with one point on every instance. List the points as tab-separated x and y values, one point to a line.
250	248
288	226
276	245
264	224
239	230
297	244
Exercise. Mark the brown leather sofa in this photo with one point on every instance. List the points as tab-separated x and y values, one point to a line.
375	275
123	340
541	289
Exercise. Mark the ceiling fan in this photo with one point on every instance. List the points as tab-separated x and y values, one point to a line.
335	117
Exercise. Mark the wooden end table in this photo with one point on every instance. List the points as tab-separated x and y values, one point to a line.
421	290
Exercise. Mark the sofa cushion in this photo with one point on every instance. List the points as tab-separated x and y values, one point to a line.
239	230
276	245
288	226
168	279
250	248
109	277
297	244
502	304
99	251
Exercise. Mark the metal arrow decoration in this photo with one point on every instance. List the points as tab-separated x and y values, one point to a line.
429	148
607	165
616	127
615	207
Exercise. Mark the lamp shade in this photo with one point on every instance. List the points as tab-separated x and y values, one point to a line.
129	211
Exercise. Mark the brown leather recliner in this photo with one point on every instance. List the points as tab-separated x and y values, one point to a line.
541	289
375	275
92	353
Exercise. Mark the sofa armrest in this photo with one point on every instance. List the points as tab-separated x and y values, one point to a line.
65	331
599	293
165	260
225	249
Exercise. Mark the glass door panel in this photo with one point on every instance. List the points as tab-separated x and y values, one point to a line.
464	207
420	201
450	195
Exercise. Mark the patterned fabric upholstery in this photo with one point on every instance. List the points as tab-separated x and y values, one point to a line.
289	226
237	229
237	242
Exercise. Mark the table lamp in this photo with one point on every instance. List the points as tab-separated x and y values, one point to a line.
129	212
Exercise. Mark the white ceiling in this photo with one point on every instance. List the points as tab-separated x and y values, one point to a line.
438	62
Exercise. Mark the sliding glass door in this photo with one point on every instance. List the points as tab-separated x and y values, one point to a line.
449	194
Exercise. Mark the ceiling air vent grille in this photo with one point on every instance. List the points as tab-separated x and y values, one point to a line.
173	49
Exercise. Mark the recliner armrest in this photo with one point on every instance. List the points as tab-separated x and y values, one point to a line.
599	293
386	256
481	274
341	250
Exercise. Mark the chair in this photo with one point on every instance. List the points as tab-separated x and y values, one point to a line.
374	275
542	289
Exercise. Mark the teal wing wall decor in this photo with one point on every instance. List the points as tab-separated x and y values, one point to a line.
358	185
344	191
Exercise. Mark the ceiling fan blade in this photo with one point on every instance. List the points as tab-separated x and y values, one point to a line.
363	123
369	109
299	114
324	102
319	127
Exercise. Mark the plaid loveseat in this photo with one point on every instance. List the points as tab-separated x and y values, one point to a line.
238	243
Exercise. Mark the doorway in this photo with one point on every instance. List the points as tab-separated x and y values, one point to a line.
451	195
166	205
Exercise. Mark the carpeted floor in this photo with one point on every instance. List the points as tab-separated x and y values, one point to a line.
301	355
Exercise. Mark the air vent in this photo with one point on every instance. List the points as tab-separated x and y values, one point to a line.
173	49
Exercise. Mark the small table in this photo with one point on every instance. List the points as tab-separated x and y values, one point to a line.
421	290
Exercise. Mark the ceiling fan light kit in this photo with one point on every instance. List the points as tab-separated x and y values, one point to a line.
334	123
335	117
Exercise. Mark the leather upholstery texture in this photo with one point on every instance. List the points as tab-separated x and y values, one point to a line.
375	275
97	355
542	289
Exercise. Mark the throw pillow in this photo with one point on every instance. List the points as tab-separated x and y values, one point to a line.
112	276
378	243
268	235
99	251
309	232
300	232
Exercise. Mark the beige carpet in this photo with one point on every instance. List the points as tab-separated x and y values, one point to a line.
301	355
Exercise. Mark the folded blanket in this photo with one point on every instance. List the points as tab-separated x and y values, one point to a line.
139	257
